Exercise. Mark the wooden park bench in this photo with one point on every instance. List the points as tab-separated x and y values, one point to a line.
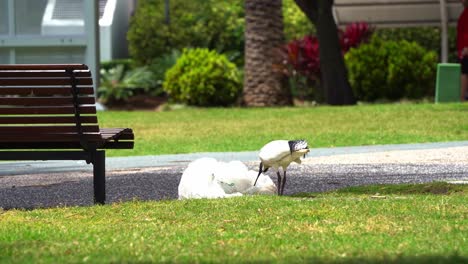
48	112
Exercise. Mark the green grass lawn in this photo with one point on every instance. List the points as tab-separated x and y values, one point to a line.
241	129
389	223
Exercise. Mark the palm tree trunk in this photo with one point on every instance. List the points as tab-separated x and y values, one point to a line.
334	75
263	84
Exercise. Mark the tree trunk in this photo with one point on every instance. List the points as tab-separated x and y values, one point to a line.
334	75
263	84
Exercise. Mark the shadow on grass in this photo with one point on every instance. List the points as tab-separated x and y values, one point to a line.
436	188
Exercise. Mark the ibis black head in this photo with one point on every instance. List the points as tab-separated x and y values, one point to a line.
296	145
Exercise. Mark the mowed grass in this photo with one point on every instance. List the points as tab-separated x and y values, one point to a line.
247	129
390	223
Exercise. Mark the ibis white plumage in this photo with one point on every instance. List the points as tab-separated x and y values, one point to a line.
209	178
279	154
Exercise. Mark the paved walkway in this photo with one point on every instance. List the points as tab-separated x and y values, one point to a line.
121	163
59	183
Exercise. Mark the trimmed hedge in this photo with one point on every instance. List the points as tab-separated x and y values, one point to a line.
391	70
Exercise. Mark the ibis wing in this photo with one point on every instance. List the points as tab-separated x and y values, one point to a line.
275	151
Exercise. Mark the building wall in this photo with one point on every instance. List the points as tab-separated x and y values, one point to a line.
29	34
22	39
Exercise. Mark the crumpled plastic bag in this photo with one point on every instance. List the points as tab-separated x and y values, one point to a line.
209	178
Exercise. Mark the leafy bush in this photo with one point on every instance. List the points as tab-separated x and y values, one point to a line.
354	34
296	24
217	25
427	37
302	57
160	65
204	78
126	63
119	83
391	70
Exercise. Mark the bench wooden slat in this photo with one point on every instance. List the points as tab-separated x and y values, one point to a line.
41	101
118	145
41	145
43	66
49	137
62	145
43	91
121	137
115	130
46	119
42	81
112	133
46	110
45	129
42	74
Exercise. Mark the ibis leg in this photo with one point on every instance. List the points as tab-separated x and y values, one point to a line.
283	182
279	182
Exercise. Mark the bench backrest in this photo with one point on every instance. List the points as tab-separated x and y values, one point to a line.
50	104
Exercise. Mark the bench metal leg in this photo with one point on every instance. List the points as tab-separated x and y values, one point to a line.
99	180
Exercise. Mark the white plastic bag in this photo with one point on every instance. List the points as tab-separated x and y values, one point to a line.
209	178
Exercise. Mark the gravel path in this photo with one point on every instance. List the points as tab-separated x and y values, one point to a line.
316	174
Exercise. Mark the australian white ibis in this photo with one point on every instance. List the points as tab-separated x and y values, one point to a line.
279	154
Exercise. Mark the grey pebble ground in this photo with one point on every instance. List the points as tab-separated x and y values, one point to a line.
68	183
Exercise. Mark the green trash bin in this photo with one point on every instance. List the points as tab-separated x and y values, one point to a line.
448	82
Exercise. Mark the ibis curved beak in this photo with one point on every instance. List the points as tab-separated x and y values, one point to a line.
259	172
257	177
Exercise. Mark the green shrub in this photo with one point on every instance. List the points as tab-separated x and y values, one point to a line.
204	78
160	65
118	83
414	69
427	37
212	24
391	70
296	24
126	63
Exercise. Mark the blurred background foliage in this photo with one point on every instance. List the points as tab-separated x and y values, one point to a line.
156	45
